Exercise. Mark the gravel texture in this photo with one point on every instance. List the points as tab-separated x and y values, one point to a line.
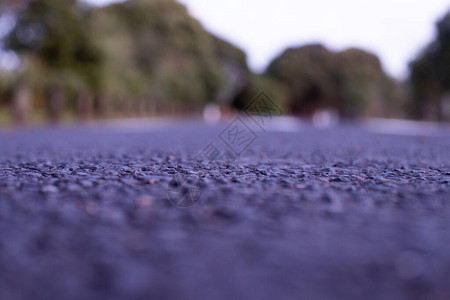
86	213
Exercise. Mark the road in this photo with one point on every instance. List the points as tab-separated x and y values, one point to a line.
183	210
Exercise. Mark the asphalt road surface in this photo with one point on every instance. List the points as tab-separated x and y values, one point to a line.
233	211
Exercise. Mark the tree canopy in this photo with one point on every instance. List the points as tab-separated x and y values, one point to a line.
128	55
430	75
136	55
352	81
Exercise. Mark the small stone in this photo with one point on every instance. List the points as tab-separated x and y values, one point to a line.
336	179
86	183
301	186
92	208
145	201
153	181
126	169
224	213
73	187
329	197
82	173
48	189
235	179
351	188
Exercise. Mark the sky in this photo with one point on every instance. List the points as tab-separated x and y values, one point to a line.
395	30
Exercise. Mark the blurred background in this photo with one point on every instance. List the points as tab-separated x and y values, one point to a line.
69	60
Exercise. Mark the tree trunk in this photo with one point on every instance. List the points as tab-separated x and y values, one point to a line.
22	104
100	107
56	103
84	105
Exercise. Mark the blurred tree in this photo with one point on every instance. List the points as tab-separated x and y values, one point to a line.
365	89
125	58
308	72
53	38
352	81
430	76
22	103
156	51
276	90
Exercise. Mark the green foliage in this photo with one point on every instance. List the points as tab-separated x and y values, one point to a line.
127	54
308	73
351	81
276	90
6	87
52	31
430	75
156	50
365	88
137	52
